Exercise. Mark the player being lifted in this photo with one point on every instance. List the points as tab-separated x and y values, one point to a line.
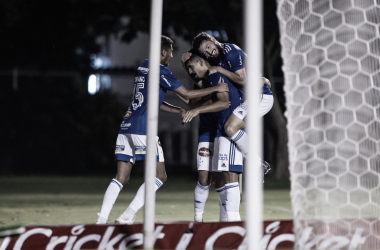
205	153
229	160
229	60
131	140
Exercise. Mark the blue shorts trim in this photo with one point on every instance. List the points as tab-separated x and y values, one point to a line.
236	168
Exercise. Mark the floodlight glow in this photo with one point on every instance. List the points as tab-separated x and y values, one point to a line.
93	85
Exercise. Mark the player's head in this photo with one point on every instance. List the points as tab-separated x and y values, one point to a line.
208	46
166	50
196	66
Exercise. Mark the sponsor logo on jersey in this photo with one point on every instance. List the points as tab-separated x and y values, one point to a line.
128	114
143	70
240	112
140	149
119	148
204	152
140	79
125	125
223	157
163	77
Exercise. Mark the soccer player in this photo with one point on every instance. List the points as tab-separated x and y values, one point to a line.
229	60
229	158
131	140
205	153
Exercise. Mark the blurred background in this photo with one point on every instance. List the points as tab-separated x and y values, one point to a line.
66	78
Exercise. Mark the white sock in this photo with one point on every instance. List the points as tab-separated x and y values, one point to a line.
222	203
241	140
109	199
200	198
232	199
139	200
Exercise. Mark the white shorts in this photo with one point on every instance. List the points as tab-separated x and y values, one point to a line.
227	157
265	105
205	155
132	148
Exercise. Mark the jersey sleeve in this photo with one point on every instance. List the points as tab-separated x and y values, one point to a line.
168	81
236	59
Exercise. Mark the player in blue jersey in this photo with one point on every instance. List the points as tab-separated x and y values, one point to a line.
131	140
229	60
205	154
229	160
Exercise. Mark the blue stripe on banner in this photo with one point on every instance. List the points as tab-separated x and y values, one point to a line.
113	181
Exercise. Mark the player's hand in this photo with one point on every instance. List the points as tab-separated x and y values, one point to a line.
213	69
222	86
190	115
266	82
183	112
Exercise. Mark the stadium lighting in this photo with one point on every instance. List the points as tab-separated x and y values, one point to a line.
152	122
253	47
93	84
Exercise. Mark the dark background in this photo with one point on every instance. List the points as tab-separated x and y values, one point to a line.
51	125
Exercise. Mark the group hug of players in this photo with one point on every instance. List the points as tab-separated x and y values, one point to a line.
218	72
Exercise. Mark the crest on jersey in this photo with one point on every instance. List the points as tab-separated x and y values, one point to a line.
204	152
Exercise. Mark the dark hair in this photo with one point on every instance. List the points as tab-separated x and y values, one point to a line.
166	43
199	39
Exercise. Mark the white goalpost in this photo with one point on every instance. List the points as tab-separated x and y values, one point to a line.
253	172
152	121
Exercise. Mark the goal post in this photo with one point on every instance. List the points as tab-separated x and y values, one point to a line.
331	56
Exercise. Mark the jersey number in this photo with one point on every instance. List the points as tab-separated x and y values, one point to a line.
138	97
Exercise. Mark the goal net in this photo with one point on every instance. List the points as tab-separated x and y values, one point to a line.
331	52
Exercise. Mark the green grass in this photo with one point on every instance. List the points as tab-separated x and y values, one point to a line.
77	200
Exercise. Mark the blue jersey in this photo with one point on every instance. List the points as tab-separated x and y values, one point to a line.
134	120
234	98
233	60
207	126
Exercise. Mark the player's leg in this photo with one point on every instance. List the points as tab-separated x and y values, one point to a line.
204	158
218	182
128	216
234	127
124	156
231	164
232	195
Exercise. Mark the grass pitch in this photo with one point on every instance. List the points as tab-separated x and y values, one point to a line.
77	200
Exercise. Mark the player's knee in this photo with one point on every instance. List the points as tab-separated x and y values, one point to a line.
204	181
230	130
122	179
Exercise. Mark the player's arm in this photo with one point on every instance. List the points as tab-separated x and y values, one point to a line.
172	109
237	77
222	103
196	93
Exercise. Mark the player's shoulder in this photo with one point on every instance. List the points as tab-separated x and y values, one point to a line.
214	78
230	48
165	70
144	67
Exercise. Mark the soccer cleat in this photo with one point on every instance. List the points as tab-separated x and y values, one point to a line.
123	219
101	220
198	219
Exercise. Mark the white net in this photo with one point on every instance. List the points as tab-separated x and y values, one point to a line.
331	52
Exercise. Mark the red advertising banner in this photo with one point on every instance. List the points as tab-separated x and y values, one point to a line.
181	235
